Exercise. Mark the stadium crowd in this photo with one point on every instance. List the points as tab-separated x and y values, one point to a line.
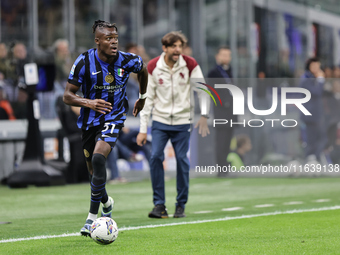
13	97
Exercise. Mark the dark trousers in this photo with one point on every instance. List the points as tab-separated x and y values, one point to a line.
129	140
180	143
315	138
223	137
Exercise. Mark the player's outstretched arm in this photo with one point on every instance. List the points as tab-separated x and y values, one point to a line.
71	98
143	82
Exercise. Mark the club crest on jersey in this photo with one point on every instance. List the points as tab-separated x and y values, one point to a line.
120	72
109	78
86	153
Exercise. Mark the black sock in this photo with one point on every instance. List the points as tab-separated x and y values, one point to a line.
98	191
105	197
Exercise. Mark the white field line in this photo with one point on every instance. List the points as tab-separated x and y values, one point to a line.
293	203
263	206
336	207
232	209
322	200
201	212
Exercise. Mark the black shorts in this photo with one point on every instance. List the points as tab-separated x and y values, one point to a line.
108	132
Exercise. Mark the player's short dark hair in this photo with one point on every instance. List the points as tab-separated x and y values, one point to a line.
311	60
241	140
102	23
170	38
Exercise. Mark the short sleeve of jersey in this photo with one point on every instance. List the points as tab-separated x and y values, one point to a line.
134	63
77	72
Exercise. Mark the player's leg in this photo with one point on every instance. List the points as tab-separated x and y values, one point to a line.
107	138
98	190
88	147
159	140
96	152
86	229
180	142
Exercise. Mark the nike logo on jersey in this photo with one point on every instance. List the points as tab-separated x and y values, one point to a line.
94	73
106	136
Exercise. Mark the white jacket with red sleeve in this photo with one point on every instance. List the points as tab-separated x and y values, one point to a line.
170	96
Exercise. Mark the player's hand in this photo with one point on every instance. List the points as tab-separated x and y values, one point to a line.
138	106
99	105
141	139
202	125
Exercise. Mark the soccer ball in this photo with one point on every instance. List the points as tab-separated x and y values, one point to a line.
104	230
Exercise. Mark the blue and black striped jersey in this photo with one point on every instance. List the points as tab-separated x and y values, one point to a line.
100	80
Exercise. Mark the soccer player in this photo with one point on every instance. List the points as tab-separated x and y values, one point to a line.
102	74
169	99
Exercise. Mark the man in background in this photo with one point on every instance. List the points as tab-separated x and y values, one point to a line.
223	133
63	61
314	132
169	99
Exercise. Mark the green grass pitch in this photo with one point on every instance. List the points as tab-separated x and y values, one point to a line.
257	220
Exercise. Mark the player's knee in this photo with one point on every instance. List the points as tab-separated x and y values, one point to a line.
182	158
157	157
157	154
98	160
99	166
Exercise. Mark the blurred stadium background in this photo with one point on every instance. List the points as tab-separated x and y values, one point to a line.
272	37
249	27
